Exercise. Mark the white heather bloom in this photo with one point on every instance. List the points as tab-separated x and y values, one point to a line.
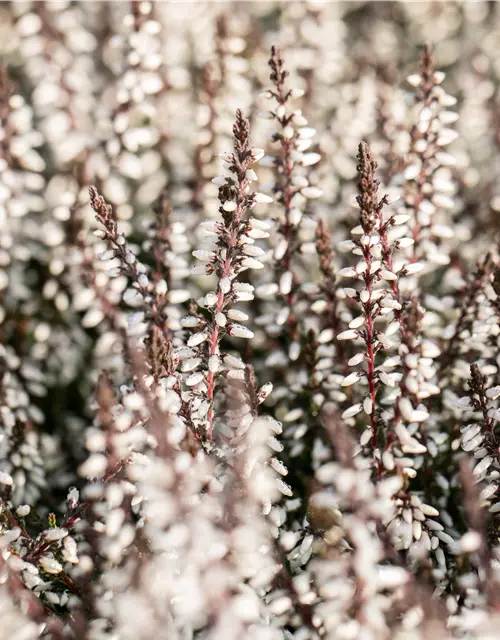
50	565
368	406
400	219
257	153
5	478
414	267
352	411
190	321
309	159
161	287
94	467
229	206
55	534
262	198
414	79
482	466
204	256
357	322
348	335
350	379
252	263
196	339
225	285
236	314
92	318
311	192
194	379
220	319
405	242
285	284
239	331
213	363
257	234
355	360
348	272
133	401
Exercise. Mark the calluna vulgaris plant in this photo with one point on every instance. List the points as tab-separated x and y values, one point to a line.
230	411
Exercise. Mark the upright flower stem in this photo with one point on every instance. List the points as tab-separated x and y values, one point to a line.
226	271
235	252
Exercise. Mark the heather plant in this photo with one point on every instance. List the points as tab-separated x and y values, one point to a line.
230	411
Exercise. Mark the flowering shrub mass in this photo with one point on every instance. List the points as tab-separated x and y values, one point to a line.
249	320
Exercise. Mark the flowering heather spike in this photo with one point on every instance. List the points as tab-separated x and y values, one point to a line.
368	270
428	188
228	260
129	265
329	287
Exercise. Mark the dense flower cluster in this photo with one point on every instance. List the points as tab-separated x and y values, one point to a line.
229	411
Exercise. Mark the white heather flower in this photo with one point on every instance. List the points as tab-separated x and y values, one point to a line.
470	542
257	153
285	284
196	339
368	406
355	360
190	364
257	234
348	335
239	331
252	263
92	318
307	132
413	268
229	206
482	466
280	605
133	401
352	411
350	379
5	478
348	272
213	363
400	219
225	285
446	136
309	159
357	322
204	256
189	321
220	319
220	181
161	287
55	534
311	192
50	565
405	242
94	467
194	379
178	296
262	198
235	314
414	79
